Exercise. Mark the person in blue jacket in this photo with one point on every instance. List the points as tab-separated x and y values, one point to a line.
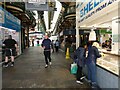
46	44
92	56
80	54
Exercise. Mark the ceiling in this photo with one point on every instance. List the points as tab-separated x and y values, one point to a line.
27	17
18	10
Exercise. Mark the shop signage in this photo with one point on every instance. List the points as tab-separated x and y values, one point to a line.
105	31
38	6
10	21
85	32
92	4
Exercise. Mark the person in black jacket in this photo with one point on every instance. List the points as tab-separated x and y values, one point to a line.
10	50
46	44
80	53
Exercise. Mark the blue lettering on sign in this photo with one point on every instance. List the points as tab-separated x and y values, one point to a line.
79	5
81	14
86	9
96	2
91	5
110	2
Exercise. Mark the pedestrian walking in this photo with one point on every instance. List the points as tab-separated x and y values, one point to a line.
38	43
80	57
32	42
93	54
57	45
10	50
46	44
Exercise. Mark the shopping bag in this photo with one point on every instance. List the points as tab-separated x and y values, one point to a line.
74	68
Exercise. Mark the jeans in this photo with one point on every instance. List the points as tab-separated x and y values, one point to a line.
47	56
92	72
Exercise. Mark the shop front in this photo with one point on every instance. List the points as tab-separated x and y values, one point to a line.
102	16
9	25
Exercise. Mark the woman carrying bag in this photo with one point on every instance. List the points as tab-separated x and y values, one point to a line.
80	53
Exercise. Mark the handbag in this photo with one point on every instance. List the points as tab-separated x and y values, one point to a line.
74	68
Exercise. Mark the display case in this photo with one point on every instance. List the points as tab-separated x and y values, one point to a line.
110	62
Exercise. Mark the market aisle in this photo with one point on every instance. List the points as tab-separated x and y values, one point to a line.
29	72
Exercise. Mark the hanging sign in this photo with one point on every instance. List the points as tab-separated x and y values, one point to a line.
9	21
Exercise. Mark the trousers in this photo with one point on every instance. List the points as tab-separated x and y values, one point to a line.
47	55
79	73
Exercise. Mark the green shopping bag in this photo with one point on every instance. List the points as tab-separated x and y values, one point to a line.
74	68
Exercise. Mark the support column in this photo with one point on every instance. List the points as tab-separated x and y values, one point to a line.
116	35
77	35
22	40
38	20
77	29
119	44
28	36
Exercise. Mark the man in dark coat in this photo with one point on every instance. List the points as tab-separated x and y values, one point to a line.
80	54
46	44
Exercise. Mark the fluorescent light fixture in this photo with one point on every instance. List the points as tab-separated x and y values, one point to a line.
46	19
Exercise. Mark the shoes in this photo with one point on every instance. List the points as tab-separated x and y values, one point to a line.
5	66
46	66
89	81
82	77
12	64
93	87
50	63
79	82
